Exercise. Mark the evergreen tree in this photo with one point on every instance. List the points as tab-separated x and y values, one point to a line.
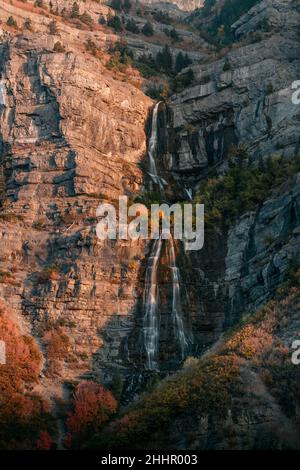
39	3
28	24
75	10
102	20
53	27
115	23
86	18
132	26
180	62
164	60
147	29
116	5
11	22
188	61
127	5
174	35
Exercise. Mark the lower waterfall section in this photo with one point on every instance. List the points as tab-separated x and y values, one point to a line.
179	341
177	313
151	301
150	306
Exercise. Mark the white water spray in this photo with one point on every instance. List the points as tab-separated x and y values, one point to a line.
151	318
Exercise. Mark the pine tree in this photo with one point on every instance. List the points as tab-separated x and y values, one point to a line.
127	5
11	22
132	26
180	62
164	59
147	29
75	10
115	23
53	27
187	60
174	35
116	5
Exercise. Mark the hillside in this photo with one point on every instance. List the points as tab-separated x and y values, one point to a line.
243	393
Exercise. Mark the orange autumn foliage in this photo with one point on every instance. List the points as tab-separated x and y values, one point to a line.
23	414
23	359
93	405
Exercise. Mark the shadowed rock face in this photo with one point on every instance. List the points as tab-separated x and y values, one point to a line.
243	100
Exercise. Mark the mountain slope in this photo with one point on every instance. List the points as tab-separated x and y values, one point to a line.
243	394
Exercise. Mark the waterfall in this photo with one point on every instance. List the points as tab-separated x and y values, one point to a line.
152	148
151	319
189	193
177	314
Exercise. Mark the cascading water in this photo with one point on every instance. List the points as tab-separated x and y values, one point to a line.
177	314
152	147
151	318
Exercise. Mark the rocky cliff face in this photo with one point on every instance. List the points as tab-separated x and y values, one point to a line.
74	134
186	5
243	101
71	137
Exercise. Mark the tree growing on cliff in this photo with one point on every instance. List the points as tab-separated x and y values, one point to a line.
127	5
116	5
12	22
147	29
115	23
132	26
28	24
86	18
182	61
164	59
39	4
58	47
53	28
75	10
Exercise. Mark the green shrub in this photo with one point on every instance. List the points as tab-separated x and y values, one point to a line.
115	23
58	47
132	26
39	4
242	188
86	18
182	81
12	22
91	47
147	29
28	24
269	89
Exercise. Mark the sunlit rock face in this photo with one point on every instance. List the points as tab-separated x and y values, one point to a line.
186	5
71	138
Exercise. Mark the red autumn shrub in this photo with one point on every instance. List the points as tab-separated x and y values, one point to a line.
23	359
93	406
23	414
44	441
